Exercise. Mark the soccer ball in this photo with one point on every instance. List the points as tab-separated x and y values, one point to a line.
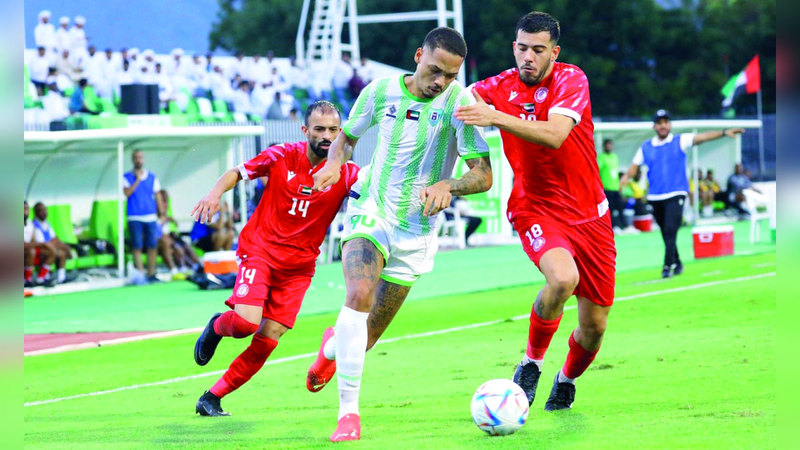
499	407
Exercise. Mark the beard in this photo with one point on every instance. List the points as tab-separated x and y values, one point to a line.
530	80
318	150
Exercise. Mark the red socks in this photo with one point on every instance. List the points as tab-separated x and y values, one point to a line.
43	272
28	273
232	324
245	365
578	359
539	335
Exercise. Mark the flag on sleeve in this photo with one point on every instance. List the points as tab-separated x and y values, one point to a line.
747	81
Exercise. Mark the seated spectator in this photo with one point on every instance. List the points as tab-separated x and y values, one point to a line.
68	67
242	101
39	70
275	110
178	256
77	103
55	105
44	233
215	235
709	192
462	206
738	182
357	84
365	70
636	195
36	254
342	74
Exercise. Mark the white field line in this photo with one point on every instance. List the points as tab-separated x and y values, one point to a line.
107	342
401	338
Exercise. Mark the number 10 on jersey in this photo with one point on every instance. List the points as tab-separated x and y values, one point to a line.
300	206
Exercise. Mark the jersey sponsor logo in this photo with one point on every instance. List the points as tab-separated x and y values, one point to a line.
434	116
412	115
512	95
392	112
307	190
290	176
538	243
242	291
540	95
529	107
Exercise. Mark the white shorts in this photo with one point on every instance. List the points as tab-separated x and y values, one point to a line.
407	255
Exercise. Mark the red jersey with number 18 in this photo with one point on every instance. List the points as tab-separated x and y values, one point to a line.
563	183
290	222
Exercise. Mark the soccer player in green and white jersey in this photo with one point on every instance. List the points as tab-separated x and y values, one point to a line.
390	225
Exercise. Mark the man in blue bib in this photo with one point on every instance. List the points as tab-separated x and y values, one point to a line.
665	158
144	207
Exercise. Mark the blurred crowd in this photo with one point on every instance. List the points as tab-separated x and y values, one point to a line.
66	62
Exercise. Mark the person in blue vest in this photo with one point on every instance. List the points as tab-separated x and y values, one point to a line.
665	158
145	206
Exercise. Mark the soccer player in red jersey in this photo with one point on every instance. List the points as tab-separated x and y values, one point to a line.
278	248
557	203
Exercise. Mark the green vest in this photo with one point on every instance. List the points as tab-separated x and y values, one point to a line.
608	163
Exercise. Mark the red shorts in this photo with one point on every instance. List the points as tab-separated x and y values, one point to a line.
279	294
591	244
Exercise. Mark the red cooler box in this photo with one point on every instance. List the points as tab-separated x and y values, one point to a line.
713	241
643	223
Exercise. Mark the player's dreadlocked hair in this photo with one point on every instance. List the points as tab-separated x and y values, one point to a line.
324	106
536	22
447	39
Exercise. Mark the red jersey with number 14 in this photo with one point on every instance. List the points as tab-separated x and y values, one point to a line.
563	183
290	222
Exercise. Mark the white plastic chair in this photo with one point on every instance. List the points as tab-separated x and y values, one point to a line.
753	201
454	228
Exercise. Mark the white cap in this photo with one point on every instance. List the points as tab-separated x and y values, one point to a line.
64	20
147	53
80	20
176	51
44	13
133	51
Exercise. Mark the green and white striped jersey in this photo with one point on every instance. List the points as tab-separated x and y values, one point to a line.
418	143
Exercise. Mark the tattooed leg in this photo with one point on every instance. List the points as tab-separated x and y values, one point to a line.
362	264
389	298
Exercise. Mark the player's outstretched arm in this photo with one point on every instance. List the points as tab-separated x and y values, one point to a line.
478	179
205	209
699	138
549	133
340	151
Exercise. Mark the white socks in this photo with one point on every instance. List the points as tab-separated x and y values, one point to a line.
329	350
61	275
350	348
526	359
563	378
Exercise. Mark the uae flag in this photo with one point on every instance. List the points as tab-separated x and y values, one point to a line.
747	81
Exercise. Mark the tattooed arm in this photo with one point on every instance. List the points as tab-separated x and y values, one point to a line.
478	179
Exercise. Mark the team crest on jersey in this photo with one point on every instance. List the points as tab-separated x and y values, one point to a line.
434	116
392	112
540	94
529	107
242	291
538	243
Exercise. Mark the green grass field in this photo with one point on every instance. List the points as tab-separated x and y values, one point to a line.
686	362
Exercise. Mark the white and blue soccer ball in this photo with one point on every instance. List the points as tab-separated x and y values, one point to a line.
499	407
